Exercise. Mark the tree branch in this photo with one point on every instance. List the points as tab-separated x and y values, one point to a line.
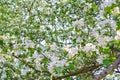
30	66
108	70
84	69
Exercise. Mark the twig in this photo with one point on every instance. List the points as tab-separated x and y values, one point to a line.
30	66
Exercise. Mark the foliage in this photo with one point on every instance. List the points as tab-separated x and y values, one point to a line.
42	39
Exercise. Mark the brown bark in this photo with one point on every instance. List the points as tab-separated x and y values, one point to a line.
84	69
108	70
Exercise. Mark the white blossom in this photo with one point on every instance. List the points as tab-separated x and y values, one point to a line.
61	63
3	37
1	50
15	45
72	51
107	38
116	11
102	41
2	59
118	32
101	12
66	47
18	52
89	5
53	47
51	67
100	58
79	23
117	37
24	71
16	62
54	58
36	55
29	44
56	63
79	39
89	47
3	75
40	8
95	34
38	65
110	22
37	60
107	3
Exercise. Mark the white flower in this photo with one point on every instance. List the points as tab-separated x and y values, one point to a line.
89	5
107	38
110	22
53	47
18	52
100	58
37	57
51	67
40	8
107	3
72	52
15	45
2	59
79	23
61	63
101	12
38	65
95	34
3	75
56	63
3	37
24	71
66	47
1	50
79	39
89	47
118	32
116	11
29	44
117	37
102	41
16	62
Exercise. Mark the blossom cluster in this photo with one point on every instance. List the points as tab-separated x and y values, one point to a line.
53	37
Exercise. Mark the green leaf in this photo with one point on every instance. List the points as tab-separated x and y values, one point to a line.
58	69
112	58
71	66
106	62
1	42
118	25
